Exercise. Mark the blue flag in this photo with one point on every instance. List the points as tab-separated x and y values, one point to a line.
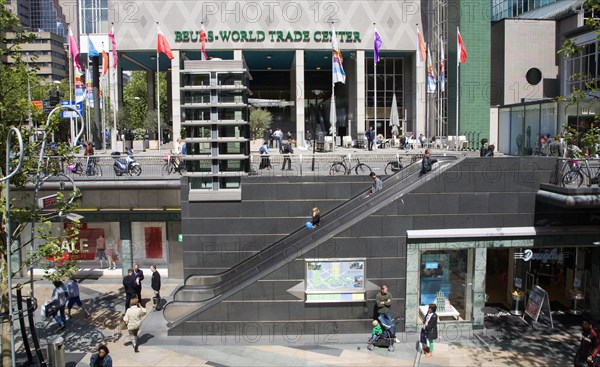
92	52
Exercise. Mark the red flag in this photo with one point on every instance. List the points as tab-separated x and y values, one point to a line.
203	41
111	35
163	45
74	49
462	50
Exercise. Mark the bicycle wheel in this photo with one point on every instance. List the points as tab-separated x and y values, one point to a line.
165	169
337	169
362	169
392	167
572	178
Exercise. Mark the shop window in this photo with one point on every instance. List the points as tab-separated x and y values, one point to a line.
444	281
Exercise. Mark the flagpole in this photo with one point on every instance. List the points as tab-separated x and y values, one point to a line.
417	86
158	92
332	104
457	84
114	136
71	83
374	92
439	90
427	61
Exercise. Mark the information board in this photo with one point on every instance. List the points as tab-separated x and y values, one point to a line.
538	298
335	280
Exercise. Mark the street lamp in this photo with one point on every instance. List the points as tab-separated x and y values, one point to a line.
7	178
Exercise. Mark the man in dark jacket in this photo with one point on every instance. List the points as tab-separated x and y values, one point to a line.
588	349
138	274
155	284
370	134
131	288
430	328
427	162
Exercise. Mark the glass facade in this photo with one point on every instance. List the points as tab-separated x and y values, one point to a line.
390	80
445	276
46	17
93	16
513	8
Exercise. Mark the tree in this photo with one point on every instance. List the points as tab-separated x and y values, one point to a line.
14	110
136	106
589	86
260	119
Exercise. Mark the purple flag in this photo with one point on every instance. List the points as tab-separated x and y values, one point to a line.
377	45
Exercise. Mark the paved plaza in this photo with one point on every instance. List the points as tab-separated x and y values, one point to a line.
508	341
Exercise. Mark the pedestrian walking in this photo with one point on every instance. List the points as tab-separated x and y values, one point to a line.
138	274
110	255
131	287
587	354
133	318
429	329
59	300
155	284
286	150
370	134
73	290
101	358
377	184
101	250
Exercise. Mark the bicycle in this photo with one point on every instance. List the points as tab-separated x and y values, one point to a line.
575	175
393	166
344	167
173	163
91	168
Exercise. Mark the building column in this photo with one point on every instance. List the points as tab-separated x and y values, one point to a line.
151	90
238	55
298	95
360	118
175	97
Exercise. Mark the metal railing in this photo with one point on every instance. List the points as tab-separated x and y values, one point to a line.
154	165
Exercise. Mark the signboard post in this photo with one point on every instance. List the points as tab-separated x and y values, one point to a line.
71	114
538	299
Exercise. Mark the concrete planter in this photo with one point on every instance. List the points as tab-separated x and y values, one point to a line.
255	145
153	145
138	145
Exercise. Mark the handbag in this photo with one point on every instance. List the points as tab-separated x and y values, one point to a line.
122	325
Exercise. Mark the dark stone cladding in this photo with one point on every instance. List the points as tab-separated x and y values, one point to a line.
478	192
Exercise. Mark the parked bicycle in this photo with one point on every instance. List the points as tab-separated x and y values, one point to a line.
393	166
576	173
344	167
88	168
173	163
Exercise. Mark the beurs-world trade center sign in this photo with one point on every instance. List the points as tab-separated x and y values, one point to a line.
267	36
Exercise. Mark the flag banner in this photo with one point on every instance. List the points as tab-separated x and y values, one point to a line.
74	49
442	68
163	45
431	83
203	42
377	45
92	52
79	87
462	50
339	76
89	88
111	35
104	61
422	47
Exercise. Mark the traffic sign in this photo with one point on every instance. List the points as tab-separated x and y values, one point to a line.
71	114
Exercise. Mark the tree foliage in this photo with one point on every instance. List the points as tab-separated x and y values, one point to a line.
260	119
134	114
14	111
589	89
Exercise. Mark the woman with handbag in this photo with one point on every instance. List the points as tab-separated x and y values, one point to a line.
133	317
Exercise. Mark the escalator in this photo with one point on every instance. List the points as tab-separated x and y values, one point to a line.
201	292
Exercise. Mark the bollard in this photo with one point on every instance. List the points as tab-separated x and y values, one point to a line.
56	352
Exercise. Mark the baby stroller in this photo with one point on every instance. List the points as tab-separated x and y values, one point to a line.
387	338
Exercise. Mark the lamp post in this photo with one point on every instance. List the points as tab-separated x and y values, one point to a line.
7	178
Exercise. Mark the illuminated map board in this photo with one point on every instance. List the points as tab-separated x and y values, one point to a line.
335	280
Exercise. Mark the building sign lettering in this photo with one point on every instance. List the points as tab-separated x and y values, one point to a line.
268	36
